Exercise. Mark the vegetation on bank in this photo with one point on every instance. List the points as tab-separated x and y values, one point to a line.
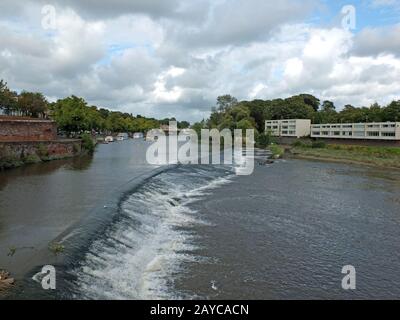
73	115
88	144
233	114
377	156
277	151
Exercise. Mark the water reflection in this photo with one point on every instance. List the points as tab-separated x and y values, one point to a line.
44	168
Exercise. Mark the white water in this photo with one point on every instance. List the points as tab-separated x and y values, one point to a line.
143	252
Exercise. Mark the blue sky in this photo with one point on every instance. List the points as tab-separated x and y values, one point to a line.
369	14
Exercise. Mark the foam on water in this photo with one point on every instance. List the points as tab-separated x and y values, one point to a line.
143	250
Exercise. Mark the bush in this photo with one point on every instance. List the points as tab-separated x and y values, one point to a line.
88	143
301	144
42	151
318	145
32	158
263	140
277	151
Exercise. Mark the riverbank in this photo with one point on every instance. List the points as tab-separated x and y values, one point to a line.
16	154
387	157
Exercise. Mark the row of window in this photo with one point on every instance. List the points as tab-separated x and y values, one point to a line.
283	127
356	133
282	121
355	126
291	133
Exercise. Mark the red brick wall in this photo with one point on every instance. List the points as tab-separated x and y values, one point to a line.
27	130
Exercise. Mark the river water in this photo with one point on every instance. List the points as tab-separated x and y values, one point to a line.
136	231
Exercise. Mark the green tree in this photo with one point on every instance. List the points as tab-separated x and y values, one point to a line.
32	104
8	99
183	125
327	114
226	102
392	111
71	114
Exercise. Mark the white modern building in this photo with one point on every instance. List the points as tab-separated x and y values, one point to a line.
370	131
295	128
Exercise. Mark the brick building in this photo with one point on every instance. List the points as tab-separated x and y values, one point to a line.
26	129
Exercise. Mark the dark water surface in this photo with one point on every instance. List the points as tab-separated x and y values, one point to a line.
135	231
39	202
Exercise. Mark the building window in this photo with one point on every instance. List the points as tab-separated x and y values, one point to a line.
359	134
336	133
373	134
325	133
388	134
316	133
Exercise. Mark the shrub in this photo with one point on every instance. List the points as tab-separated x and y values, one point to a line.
301	144
277	151
263	140
76	147
31	158
88	143
42	150
318	145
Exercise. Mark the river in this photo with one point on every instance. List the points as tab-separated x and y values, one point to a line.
136	231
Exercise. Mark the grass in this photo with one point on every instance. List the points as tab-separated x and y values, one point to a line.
377	156
277	151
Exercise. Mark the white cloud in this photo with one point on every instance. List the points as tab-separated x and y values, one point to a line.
148	58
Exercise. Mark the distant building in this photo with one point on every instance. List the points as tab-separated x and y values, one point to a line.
14	129
295	128
366	131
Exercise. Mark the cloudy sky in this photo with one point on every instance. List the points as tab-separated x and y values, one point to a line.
174	57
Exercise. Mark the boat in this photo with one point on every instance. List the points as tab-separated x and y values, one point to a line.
122	136
138	135
108	139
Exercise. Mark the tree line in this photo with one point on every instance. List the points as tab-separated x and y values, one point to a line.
74	115
233	114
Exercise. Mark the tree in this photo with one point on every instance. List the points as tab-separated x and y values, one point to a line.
226	102
71	114
375	113
198	126
183	125
311	101
32	104
328	106
8	99
351	114
327	114
227	123
392	111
